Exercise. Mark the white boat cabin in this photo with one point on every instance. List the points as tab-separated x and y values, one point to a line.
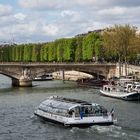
71	107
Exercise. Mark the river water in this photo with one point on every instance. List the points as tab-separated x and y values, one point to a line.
17	121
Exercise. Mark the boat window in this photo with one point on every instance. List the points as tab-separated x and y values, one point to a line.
58	104
137	87
86	110
114	88
70	112
77	111
129	86
53	110
99	110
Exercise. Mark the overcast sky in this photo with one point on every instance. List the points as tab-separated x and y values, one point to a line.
26	21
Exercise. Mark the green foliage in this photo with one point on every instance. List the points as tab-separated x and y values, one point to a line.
51	52
78	51
91	46
42	54
118	43
21	53
119	40
45	56
69	49
59	50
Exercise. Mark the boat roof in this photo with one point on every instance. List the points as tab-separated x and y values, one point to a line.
65	103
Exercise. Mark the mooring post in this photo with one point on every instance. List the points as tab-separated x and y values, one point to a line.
63	76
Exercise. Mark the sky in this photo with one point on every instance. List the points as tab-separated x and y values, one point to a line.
29	21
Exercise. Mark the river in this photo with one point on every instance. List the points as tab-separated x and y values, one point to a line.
17	120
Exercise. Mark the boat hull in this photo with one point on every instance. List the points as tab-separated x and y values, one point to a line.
45	79
70	123
92	83
134	96
75	125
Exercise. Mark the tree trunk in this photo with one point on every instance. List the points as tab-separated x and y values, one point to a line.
119	67
125	67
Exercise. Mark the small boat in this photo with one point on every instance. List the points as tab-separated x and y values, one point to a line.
129	92
73	112
44	77
92	82
123	80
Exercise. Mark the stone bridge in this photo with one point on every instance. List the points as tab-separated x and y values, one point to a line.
22	74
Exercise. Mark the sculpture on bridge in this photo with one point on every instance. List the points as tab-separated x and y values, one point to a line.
26	74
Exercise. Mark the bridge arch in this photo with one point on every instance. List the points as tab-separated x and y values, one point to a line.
7	75
93	73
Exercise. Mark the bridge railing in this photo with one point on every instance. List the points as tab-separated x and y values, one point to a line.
54	63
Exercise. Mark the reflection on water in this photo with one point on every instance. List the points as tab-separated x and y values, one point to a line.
17	120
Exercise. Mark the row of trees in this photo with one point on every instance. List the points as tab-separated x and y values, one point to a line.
76	49
118	44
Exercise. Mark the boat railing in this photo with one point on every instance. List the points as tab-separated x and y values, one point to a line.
93	115
65	114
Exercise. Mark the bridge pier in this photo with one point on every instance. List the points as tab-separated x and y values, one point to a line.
21	82
24	80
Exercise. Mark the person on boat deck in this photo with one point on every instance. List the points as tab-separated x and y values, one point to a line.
81	114
70	112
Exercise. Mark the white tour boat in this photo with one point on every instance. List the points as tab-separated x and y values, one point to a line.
130	92
44	77
73	112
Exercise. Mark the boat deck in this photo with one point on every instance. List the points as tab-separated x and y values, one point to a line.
70	100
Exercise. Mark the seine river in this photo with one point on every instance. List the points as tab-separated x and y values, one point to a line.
17	121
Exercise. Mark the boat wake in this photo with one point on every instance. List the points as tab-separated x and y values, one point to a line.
77	129
97	128
112	131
